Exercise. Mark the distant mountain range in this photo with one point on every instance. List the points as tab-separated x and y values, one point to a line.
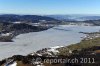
94	19
75	17
38	18
24	18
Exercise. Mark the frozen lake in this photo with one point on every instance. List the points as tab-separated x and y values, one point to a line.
62	35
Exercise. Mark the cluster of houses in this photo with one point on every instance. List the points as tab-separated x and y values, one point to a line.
91	36
5	33
80	24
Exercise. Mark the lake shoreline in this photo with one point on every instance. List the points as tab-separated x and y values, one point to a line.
46	53
52	37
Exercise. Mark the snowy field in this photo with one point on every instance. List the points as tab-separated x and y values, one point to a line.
62	35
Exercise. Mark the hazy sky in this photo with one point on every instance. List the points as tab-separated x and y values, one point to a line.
50	6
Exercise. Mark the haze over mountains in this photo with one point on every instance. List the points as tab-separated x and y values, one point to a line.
75	17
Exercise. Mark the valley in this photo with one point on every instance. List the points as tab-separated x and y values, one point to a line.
20	40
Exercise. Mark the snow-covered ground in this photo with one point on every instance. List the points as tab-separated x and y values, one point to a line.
63	35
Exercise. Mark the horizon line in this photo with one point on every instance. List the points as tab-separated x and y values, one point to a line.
47	14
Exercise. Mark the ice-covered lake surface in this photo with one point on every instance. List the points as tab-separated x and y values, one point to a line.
61	35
